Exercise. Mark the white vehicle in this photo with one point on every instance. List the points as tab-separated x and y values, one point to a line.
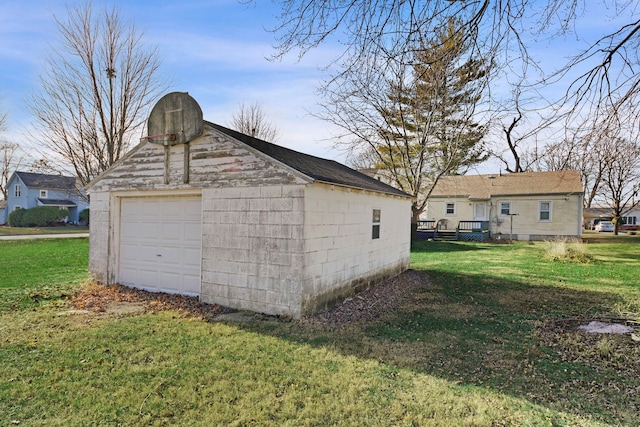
604	226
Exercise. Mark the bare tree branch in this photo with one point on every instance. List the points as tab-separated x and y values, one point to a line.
251	120
11	158
377	36
96	87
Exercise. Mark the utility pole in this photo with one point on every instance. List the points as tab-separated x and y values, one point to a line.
111	74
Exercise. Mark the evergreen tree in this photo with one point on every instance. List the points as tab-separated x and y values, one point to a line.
428	128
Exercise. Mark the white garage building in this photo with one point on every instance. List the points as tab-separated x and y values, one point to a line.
199	209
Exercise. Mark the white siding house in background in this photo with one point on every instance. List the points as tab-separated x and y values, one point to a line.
522	206
243	223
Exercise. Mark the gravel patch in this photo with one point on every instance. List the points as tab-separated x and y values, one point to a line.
381	299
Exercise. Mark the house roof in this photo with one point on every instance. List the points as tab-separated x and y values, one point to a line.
48	182
316	168
57	202
513	184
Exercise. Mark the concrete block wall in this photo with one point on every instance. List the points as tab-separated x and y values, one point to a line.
99	237
252	248
340	253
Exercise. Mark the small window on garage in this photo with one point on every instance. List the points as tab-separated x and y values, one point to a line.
375	232
44	194
450	208
505	208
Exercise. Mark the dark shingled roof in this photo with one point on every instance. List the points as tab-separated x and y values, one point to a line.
314	167
57	202
47	182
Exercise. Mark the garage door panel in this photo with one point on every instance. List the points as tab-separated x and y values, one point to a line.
193	232
160	244
190	256
173	231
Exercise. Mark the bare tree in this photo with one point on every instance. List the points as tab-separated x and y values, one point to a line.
96	87
416	122
583	152
601	78
11	158
251	120
621	177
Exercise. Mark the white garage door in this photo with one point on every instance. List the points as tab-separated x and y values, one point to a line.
160	244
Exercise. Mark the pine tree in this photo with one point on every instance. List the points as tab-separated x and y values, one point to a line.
429	128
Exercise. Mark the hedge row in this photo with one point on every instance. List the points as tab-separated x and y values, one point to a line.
40	216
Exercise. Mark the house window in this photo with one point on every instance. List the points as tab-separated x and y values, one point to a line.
628	220
375	232
44	194
17	190
544	211
450	208
505	208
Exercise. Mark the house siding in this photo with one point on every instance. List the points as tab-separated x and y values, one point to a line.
214	161
22	200
566	215
565	220
29	195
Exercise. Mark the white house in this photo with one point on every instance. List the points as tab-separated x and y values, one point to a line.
521	206
630	219
199	209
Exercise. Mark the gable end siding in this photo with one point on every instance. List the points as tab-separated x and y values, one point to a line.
213	162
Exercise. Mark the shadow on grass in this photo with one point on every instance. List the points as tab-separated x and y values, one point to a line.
487	333
443	246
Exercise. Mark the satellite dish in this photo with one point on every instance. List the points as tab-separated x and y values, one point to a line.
175	119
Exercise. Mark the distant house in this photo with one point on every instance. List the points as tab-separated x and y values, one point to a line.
199	209
3	212
629	220
27	190
520	206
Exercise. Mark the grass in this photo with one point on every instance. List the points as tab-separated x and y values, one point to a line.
23	231
469	349
590	236
41	270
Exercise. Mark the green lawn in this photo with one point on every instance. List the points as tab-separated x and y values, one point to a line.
21	231
472	348
33	271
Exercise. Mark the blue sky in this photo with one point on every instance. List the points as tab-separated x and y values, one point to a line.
213	49
216	50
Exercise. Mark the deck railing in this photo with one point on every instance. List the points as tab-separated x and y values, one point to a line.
464	230
426	225
473	226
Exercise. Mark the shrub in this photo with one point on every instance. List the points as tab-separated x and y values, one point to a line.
41	216
84	216
15	217
561	250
